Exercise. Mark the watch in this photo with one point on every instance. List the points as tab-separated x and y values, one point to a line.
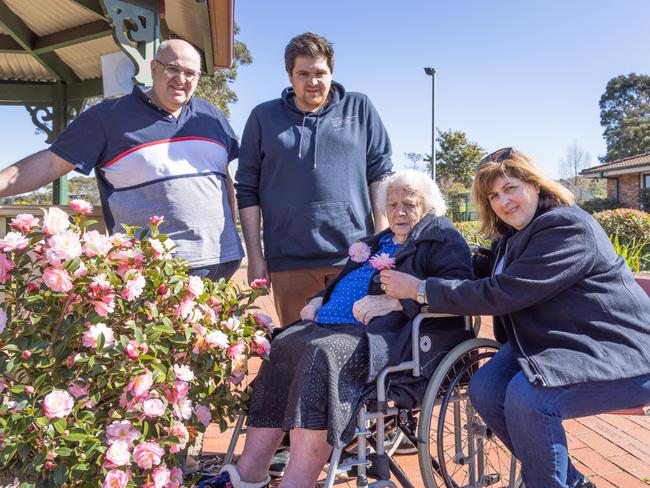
421	297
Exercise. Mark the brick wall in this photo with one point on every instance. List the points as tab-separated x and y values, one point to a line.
628	190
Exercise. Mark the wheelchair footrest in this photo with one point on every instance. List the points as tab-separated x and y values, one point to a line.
379	467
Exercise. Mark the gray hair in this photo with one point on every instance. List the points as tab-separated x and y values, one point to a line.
422	185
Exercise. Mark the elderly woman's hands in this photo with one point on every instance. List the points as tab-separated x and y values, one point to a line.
308	312
399	285
372	306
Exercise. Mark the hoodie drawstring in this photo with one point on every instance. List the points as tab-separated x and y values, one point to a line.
316	142
302	131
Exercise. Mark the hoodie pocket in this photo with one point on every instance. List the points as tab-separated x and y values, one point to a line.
320	229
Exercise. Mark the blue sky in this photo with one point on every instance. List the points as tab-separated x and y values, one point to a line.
521	73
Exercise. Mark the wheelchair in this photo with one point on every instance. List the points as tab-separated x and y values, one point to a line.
454	446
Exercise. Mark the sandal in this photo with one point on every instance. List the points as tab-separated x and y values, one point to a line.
229	478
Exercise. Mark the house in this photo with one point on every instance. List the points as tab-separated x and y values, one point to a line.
626	179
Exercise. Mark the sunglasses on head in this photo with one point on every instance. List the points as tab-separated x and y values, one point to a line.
497	156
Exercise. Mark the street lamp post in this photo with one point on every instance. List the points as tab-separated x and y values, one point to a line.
432	73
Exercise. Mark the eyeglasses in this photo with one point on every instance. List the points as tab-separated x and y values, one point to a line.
497	156
176	71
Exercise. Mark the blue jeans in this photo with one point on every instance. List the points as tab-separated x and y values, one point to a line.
216	271
528	417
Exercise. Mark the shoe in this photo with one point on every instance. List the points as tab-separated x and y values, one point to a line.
229	478
405	446
584	482
279	463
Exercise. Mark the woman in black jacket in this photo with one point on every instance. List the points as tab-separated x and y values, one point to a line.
576	322
319	367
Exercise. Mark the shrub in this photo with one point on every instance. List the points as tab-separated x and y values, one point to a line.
598	204
629	224
471	233
111	357
635	254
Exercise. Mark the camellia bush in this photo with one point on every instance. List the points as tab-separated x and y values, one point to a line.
112	358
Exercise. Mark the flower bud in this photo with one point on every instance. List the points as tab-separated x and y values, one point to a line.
49	465
27	354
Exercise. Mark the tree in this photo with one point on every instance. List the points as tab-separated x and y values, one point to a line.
456	160
575	160
415	159
216	88
625	116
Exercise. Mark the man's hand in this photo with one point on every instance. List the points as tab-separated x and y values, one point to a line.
257	269
308	312
372	306
399	285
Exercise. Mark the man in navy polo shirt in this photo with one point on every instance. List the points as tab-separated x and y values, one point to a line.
155	152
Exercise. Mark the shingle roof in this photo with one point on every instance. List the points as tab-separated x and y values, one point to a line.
625	163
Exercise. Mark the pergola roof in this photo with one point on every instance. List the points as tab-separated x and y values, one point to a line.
44	42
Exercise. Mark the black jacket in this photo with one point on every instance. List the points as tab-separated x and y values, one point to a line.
570	306
433	248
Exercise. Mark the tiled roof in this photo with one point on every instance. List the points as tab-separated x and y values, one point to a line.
625	163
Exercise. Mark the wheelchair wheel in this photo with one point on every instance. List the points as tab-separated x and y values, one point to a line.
455	447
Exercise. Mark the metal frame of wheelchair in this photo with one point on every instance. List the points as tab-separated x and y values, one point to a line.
455	447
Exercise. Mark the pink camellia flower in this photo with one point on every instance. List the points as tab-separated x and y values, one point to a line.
133	349
3	320
181	389
153	407
180	431
183	373
195	286
359	252
116	479
382	261
199	345
118	454
140	385
216	338
236	349
182	408
176	477
203	414
6	265
263	319
66	245
26	354
55	220
78	390
81	206
163	291
134	286
157	220
148	454
261	344
159	250
57	279
13	241
91	336
82	270
161	476
186	308
233	323
259	283
103	309
96	244
58	404
24	222
122	430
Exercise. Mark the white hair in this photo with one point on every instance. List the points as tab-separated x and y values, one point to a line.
421	183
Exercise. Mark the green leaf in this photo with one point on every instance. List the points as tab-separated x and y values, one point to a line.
64	451
60	474
74	437
60	425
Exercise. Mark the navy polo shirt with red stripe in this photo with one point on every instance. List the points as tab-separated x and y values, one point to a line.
147	162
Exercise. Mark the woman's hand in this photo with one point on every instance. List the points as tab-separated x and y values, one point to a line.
372	306
308	312
399	285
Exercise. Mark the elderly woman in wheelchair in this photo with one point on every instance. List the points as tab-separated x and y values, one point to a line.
320	367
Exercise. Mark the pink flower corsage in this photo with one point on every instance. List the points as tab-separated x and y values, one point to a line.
359	252
382	261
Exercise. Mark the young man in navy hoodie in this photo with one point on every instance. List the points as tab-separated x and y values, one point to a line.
310	163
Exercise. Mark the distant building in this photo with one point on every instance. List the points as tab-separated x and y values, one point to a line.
626	179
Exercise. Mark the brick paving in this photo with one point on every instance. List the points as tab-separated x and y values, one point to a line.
613	450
